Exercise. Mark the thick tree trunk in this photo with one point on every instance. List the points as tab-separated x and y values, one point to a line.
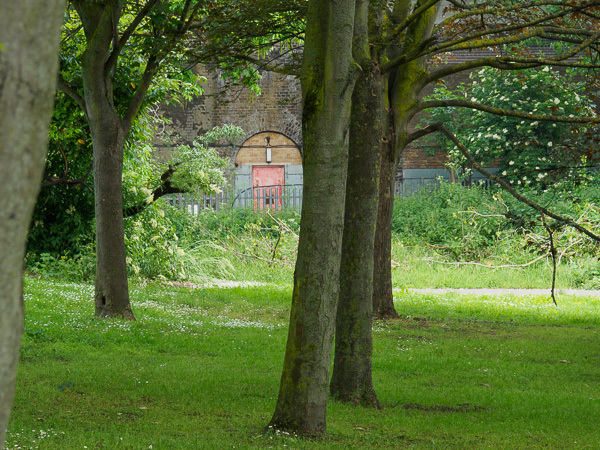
30	35
108	136
352	375
112	293
327	81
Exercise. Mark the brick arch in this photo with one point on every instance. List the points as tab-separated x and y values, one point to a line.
284	151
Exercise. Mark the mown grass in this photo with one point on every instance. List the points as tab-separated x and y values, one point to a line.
200	368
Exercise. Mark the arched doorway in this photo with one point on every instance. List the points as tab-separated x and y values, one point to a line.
268	165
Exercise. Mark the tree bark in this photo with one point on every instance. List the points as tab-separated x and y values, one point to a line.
108	137
327	80
408	81
352	367
112	292
383	298
30	35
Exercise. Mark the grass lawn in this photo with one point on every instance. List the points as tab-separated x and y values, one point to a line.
200	368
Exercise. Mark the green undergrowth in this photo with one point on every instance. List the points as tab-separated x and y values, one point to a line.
200	368
420	267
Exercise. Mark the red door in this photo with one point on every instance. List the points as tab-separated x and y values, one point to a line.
268	182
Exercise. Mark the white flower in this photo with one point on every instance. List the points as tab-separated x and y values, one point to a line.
150	199
504	173
146	191
546	69
549	144
533	124
161	213
511	163
180	252
505	131
556	101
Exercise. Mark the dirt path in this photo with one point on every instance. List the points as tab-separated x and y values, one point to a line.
514	292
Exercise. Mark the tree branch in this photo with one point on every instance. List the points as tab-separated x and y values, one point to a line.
53	181
164	189
71	92
140	93
411	18
456	103
114	56
440	127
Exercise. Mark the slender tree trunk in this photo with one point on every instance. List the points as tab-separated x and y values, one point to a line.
327	80
352	368
383	299
30	35
404	94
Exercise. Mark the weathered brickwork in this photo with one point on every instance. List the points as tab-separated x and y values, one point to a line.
283	150
277	109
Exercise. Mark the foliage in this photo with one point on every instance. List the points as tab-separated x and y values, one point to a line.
475	371
238	244
526	151
63	218
474	224
199	167
152	250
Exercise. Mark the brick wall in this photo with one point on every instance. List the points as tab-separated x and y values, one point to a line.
277	109
283	150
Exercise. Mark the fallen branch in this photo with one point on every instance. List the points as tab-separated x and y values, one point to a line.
505	266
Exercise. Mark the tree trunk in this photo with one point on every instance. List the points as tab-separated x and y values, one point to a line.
408	81
327	81
30	35
112	292
383	299
108	137
352	367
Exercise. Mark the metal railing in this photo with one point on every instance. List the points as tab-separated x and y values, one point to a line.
274	198
277	198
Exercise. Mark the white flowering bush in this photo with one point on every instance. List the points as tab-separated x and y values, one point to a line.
526	151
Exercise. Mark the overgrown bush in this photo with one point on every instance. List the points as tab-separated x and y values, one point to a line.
237	243
473	223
